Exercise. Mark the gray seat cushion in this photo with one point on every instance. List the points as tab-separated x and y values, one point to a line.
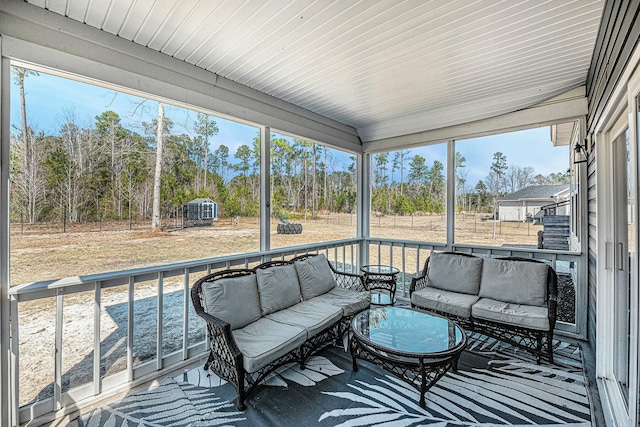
351	302
234	300
455	273
278	287
315	276
454	303
517	282
313	316
533	317
265	340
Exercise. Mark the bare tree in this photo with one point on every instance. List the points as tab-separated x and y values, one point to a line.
525	177
72	142
403	158
496	181
313	182
29	167
155	221
205	127
517	177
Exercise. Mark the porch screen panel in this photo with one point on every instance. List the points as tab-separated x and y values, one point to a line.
509	187
409	194
197	328
172	314
145	327
114	330
84	161
313	192
77	347
36	323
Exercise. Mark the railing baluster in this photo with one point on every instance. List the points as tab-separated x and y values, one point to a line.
185	318
404	271
159	320
352	266
130	322
15	361
57	384
97	389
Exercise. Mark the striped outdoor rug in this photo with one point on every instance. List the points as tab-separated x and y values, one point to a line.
496	384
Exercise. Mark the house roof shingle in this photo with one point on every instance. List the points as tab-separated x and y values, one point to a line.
536	192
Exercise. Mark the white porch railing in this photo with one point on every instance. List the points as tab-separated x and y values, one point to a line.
177	336
56	397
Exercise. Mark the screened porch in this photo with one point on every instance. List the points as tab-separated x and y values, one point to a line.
381	132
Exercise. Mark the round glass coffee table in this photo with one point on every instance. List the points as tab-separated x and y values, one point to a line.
380	280
416	346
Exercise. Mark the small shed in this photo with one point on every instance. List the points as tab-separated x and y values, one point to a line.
528	202
201	211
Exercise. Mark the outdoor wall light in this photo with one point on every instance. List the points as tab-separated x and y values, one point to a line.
580	152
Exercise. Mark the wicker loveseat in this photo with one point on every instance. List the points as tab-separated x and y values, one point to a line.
277	313
511	299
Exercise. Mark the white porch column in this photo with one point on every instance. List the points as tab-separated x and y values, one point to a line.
265	188
7	408
451	193
363	164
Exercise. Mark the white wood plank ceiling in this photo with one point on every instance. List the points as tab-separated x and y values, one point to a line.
385	67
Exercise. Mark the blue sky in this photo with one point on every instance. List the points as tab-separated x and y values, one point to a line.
48	98
531	147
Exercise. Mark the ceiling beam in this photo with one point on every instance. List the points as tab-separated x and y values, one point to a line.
563	108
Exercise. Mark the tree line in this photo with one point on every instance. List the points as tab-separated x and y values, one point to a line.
106	171
408	184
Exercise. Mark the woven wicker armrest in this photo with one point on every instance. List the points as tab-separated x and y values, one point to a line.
552	297
222	342
352	281
417	283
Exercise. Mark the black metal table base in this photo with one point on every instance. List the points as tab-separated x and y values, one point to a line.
420	372
381	284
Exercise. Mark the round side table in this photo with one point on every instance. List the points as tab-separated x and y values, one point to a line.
380	280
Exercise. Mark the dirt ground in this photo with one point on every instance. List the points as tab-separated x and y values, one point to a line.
45	252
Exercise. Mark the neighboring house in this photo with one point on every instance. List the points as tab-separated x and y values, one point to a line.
526	203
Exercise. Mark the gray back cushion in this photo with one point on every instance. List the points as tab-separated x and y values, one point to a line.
278	287
455	273
315	277
234	300
516	282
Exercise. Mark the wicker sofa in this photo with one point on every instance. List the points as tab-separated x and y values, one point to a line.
511	299
276	313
